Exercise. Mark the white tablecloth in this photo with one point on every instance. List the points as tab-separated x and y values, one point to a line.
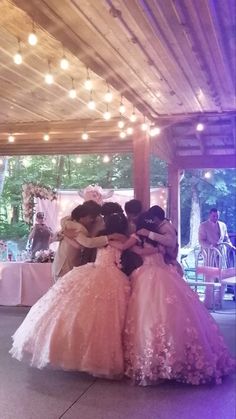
23	283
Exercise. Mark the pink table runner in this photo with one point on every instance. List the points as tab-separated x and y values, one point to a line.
24	283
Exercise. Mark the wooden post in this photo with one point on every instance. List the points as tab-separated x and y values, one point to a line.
141	168
174	197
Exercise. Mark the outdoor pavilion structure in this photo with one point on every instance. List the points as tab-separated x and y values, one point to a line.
170	64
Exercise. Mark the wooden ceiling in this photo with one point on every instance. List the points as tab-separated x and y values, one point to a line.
172	61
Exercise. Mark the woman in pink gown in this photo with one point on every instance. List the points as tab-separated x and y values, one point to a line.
79	323
169	335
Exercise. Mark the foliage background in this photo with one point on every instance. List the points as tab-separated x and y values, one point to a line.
65	172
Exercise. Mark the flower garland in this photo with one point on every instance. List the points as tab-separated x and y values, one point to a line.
31	191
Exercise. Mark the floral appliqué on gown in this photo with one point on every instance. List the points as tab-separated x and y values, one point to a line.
79	323
169	334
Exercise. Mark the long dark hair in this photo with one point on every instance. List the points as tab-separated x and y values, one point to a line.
115	223
87	208
147	222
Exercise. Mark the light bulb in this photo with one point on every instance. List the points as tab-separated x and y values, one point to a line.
72	93
64	63
18	58
107	115
46	137
78	159
121	124
84	136
200	127
207	175
88	84
108	96
122	108
91	104
154	131
129	130
122	134
48	78
11	138
54	161
144	126
133	117
106	159
32	38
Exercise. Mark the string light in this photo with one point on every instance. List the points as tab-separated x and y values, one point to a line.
107	114
32	38
133	117
108	96
144	126
91	103
130	131
121	123
72	91
200	127
122	107
49	79
78	159
123	134
85	136
207	175
46	137
54	161
106	159
11	138
88	84
154	131
64	63
18	56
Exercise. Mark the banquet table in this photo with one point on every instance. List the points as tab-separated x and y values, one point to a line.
23	283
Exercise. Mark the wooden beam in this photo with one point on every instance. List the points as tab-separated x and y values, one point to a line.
141	168
206	162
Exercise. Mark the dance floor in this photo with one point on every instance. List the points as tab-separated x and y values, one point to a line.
27	393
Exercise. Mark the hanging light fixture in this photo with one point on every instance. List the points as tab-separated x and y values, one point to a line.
64	63
72	91
154	131
133	116
200	127
88	84
144	126
78	159
49	79
123	134
11	138
18	56
121	123
91	102
108	95
85	136
46	137
32	38
107	114
106	159
121	107
130	131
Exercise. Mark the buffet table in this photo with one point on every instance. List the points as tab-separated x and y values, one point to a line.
23	283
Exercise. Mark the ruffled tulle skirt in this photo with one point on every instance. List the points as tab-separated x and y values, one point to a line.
169	334
78	324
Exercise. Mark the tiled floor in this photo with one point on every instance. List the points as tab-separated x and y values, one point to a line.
27	393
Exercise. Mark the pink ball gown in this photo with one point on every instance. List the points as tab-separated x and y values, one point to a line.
79	323
169	334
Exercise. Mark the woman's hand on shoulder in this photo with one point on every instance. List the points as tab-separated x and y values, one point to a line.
143	232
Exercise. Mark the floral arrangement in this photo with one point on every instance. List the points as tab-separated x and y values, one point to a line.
31	191
44	256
